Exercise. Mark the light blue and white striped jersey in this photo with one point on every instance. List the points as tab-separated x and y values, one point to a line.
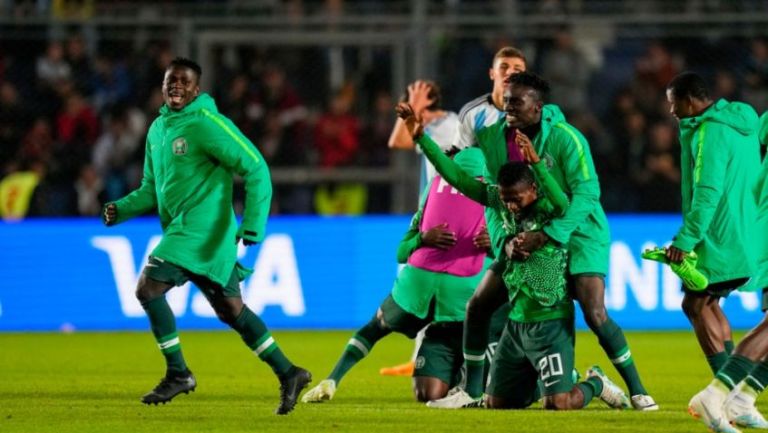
474	115
442	130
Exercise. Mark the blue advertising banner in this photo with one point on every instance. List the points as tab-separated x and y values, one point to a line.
309	273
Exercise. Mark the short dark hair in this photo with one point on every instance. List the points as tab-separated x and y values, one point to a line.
187	63
513	172
529	79
689	84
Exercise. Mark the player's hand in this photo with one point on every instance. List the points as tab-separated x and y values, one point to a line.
418	96
675	255
109	214
526	148
528	242
481	239
411	120
439	237
512	252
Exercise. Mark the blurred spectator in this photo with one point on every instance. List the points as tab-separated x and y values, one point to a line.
14	119
52	68
568	73
38	143
725	86
658	180
90	192
374	151
111	83
756	78
77	129
234	104
80	64
115	152
654	70
280	115
337	139
337	133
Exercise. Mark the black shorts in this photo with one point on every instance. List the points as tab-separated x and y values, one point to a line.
718	290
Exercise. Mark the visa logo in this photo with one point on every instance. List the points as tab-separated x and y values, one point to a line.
275	280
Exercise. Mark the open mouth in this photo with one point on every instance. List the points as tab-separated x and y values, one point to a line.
175	96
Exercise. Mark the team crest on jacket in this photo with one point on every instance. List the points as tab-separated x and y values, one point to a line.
180	146
550	161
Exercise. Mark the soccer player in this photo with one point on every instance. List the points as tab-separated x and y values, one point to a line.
732	394
538	341
425	98
583	228
192	152
720	165
444	265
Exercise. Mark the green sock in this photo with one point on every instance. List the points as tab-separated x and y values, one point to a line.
590	388
475	341
729	346
475	366
254	333
358	348
758	377
614	344
717	361
163	325
735	370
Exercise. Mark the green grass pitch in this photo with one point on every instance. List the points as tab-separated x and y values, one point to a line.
91	382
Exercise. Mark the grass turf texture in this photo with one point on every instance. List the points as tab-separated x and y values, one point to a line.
92	382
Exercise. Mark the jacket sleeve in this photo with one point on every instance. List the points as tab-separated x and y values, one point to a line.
571	151
452	173
144	198
228	145
710	161
495	227
412	239
550	188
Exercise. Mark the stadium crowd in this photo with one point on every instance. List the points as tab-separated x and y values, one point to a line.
74	115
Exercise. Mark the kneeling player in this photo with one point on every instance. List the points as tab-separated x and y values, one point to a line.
445	249
538	341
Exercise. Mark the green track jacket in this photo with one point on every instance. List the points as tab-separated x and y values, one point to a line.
191	156
720	164
569	161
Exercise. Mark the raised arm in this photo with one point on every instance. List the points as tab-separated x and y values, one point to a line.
418	98
448	169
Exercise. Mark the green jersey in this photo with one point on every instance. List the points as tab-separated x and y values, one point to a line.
190	158
569	161
719	167
537	285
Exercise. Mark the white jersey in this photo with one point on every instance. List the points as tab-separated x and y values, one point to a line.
441	130
475	115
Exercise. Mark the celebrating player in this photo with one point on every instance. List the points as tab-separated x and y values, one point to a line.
192	153
538	341
445	261
425	98
583	228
